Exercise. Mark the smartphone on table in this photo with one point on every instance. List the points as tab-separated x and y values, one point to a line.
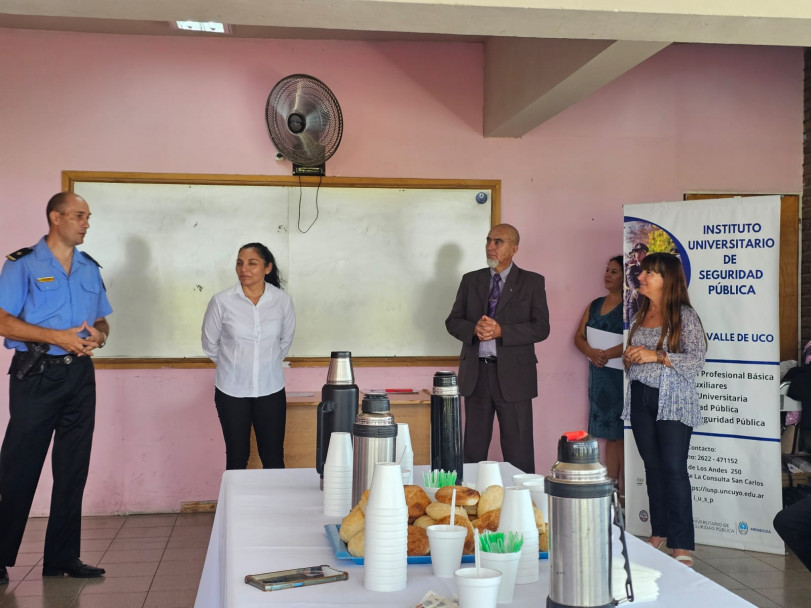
297	577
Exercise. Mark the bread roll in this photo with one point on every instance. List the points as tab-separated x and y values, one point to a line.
357	544
482	526
489	521
364	498
417	541
464	522
352	524
416	500
491	499
424	521
539	518
438	510
464	496
543	539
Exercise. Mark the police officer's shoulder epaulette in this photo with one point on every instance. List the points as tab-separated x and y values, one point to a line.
20	253
90	257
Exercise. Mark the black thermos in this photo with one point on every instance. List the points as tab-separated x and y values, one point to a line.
446	425
339	405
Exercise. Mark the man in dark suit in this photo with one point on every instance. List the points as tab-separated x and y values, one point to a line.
499	314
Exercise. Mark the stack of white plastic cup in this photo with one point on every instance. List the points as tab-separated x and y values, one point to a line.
489	474
404	453
386	544
517	516
539	497
338	475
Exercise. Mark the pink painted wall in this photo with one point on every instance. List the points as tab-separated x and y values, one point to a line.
691	118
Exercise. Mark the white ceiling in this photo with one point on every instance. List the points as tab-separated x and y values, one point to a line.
551	53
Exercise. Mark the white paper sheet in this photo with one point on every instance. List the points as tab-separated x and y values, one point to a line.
597	338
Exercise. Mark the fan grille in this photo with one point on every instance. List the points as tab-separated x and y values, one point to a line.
304	120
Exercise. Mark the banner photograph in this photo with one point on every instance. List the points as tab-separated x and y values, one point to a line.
729	250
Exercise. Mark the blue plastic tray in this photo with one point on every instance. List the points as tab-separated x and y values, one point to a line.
341	551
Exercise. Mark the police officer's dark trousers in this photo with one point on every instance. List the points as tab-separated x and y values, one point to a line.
59	402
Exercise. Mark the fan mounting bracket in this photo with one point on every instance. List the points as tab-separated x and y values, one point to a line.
316	171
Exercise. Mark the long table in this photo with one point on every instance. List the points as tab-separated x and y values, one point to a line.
273	520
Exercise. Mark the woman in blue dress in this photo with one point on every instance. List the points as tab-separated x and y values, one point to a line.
605	382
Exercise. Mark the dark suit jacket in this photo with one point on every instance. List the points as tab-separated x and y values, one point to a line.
524	318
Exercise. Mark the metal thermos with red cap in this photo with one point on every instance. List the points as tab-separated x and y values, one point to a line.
446	425
339	405
581	498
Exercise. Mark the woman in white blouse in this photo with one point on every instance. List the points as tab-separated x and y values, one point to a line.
247	331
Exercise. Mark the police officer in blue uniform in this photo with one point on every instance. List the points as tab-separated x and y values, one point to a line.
53	305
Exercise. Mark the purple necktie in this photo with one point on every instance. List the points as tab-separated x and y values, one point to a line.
495	292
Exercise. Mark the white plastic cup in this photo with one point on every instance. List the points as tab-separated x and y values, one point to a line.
386	489
447	544
519	479
389	532
404	453
507	564
403	440
528	564
339	451
539	496
337	472
376	581
431	492
384	582
516	510
407	467
386	516
489	474
478	589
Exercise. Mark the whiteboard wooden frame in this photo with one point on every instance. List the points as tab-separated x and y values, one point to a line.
70	178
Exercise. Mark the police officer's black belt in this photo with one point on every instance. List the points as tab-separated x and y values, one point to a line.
488	359
58	359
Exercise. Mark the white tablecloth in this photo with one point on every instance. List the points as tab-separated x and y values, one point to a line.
272	520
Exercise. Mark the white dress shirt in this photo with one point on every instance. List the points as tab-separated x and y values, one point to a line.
248	343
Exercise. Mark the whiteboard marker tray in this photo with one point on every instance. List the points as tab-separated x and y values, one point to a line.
341	551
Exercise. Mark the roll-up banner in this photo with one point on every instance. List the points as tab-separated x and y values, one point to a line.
729	249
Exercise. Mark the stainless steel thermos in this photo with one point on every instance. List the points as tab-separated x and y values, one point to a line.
374	437
580	502
446	425
339	405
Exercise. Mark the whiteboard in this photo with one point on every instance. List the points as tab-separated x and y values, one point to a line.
372	270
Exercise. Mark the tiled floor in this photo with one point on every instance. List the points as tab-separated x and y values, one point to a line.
764	579
152	561
155	561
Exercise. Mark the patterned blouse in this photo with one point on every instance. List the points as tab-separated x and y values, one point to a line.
678	397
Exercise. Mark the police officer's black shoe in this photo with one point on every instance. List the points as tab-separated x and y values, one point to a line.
74	568
3	575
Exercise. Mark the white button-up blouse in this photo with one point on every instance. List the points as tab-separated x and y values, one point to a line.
248	343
